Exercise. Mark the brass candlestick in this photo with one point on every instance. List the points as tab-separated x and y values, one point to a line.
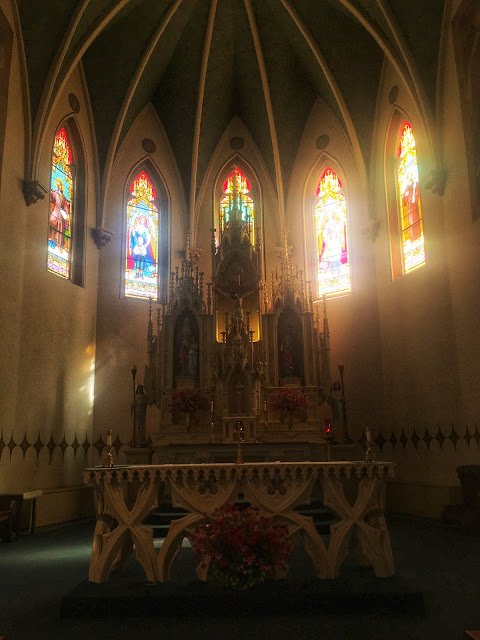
240	438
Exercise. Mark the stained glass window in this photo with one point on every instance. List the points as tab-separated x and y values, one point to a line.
333	265
236	189
413	249
59	258
141	267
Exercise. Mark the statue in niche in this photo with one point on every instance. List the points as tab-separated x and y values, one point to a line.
139	411
186	361
338	411
290	361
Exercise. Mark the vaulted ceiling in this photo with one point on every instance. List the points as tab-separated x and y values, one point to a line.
201	62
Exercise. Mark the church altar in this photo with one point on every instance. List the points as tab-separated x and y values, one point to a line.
126	496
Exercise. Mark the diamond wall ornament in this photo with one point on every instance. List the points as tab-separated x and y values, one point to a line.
24	445
427	438
51	446
12	444
476	434
415	439
117	445
99	445
403	439
38	444
63	445
468	435
86	445
393	439
440	437
75	444
380	441
454	437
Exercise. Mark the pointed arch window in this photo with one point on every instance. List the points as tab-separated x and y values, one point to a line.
412	240
333	263
236	195
141	264
60	239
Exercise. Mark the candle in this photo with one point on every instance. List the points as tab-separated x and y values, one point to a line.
328	427
211	406
109	438
265	406
368	435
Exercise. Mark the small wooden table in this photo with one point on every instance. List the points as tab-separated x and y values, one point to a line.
13	502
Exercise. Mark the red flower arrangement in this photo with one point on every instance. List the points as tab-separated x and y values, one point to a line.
189	400
290	398
241	547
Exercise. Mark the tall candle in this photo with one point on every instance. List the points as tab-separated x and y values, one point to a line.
211	406
368	435
109	438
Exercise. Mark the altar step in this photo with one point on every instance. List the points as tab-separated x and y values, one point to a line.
162	517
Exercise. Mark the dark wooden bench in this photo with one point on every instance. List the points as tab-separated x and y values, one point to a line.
11	512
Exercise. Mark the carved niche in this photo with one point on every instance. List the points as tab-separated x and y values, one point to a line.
290	346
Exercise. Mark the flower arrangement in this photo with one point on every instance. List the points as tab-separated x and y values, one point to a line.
189	400
290	398
241	547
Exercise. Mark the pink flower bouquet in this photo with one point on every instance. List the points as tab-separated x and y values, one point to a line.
241	547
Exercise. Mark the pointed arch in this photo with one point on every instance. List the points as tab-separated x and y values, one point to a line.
237	184
404	207
65	247
331	238
145	261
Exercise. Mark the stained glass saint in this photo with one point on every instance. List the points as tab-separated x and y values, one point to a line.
333	265
413	249
61	189
236	189
141	267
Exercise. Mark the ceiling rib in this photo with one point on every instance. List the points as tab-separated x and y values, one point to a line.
199	110
55	68
131	92
398	64
54	90
333	86
268	105
409	61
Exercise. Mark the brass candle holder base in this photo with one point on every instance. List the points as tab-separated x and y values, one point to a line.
109	459
370	455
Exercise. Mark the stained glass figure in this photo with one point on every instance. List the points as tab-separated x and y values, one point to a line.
236	189
333	271
413	247
141	267
59	256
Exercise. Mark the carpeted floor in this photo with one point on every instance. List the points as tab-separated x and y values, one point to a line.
440	563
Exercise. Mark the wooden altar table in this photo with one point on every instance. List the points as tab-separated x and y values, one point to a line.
126	496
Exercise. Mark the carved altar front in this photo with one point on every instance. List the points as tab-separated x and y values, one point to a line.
126	496
239	339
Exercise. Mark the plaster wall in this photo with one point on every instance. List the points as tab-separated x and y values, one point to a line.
463	240
122	322
353	318
47	323
421	362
